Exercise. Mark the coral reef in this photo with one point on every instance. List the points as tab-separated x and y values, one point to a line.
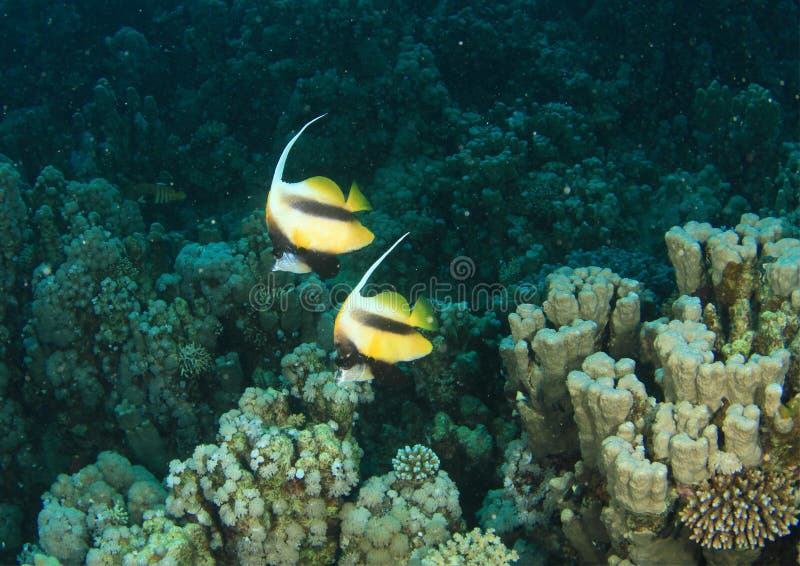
98	503
523	499
537	154
590	308
270	491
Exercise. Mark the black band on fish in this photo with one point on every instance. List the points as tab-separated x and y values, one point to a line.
322	210
382	323
324	265
280	243
348	355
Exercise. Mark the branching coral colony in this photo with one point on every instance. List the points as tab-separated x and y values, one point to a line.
720	448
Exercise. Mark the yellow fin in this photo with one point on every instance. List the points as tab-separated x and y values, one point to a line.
328	190
356	201
423	316
392	305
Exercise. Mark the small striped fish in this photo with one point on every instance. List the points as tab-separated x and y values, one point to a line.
157	193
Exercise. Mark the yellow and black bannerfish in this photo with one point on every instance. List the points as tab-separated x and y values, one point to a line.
310	222
372	333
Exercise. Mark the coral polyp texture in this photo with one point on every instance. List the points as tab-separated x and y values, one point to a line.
415	464
391	518
271	489
476	547
743	510
193	360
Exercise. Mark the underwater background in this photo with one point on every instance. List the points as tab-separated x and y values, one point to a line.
604	205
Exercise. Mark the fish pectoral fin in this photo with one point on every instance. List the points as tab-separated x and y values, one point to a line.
356	201
423	315
291	263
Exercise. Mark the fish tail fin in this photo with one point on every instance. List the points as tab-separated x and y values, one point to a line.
374	266
356	201
422	315
278	176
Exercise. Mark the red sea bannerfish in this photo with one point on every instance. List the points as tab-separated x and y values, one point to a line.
372	333
310	222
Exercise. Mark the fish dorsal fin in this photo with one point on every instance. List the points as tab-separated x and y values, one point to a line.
328	191
278	175
423	316
357	289
356	201
392	305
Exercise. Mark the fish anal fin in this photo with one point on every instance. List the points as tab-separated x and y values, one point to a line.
356	201
423	315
